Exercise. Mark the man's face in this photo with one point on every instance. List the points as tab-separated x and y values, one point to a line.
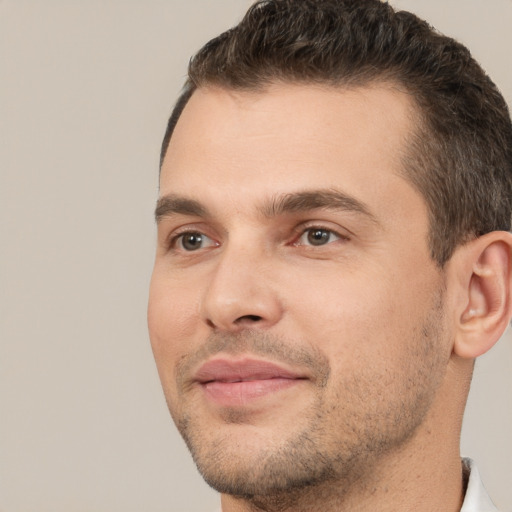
295	314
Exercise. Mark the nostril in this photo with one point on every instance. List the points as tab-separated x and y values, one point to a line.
241	322
248	318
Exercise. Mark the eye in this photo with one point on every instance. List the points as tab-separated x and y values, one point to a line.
192	241
317	237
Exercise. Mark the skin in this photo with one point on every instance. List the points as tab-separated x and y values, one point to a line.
365	318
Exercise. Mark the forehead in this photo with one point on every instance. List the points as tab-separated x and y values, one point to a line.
288	137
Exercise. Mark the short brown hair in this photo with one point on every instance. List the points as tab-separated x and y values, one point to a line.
460	158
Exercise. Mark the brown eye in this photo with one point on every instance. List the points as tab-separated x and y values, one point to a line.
318	236
193	241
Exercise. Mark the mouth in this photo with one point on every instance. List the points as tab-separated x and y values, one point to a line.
230	383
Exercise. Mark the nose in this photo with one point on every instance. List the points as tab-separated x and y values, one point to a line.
241	293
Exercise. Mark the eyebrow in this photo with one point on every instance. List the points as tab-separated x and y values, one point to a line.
169	205
327	199
295	202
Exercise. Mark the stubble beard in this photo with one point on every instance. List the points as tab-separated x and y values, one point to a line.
294	466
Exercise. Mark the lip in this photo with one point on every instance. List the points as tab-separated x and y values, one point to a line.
237	382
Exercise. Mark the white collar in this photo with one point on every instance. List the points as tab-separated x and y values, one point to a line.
477	499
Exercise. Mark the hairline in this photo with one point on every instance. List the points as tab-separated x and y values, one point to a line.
419	121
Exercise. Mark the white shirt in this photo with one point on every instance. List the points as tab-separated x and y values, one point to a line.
476	499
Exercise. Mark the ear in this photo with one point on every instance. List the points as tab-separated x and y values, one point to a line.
485	275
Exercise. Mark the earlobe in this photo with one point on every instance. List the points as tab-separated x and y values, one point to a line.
488	305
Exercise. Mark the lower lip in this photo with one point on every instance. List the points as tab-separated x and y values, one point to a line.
232	394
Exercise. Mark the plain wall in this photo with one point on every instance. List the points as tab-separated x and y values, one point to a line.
85	91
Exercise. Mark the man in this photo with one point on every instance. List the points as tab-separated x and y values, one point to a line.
333	254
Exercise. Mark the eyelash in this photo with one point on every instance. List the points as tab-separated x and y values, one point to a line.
179	237
304	230
301	232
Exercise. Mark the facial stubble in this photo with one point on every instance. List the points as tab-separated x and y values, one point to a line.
289	464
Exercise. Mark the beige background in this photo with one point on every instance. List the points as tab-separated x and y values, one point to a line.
86	87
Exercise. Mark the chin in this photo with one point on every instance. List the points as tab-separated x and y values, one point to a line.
262	470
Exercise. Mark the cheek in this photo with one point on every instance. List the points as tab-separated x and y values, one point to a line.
172	321
360	320
385	345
